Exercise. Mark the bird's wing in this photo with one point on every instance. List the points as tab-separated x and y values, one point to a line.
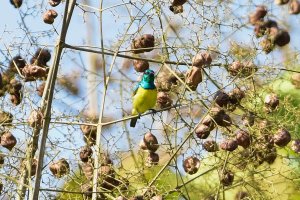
136	87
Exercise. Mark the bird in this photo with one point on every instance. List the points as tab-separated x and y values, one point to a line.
144	96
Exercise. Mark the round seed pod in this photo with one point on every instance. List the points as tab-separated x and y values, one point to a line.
142	44
258	15
40	89
229	145
5	117
270	155
17	62
1	159
1	187
295	146
41	57
202	131
87	169
86	153
151	142
281	2
152	159
201	59
294	7
35	119
267	45
140	65
49	16
164	100
54	3
282	137
282	38
15	87
16	99
33	72
60	168
272	101
208	121
236	95
191	165
241	195
225	121
90	134
221	98
87	190
194	77
226	178
210	146
259	30
235	68
16	3
243	138
8	140
249	68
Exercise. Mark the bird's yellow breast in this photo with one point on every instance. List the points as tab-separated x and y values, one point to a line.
143	100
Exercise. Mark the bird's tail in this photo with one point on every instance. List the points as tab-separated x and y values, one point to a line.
133	122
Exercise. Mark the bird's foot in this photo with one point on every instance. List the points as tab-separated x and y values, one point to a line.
153	111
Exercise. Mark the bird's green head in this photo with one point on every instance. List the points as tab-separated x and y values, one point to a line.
148	76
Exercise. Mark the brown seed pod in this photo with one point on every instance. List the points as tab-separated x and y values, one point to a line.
217	113
86	153
60	168
1	187
142	44
295	146
54	3
267	45
8	140
90	133
202	131
33	72
295	79
259	30
236	95
14	87
210	146
34	163
17	62
151	142
152	159
221	98
229	145
5	117
224	121
164	100
271	101
107	174
226	178
16	3
176	9
140	65
208	121
87	169
87	190
282	38
258	15
191	165
1	83
242	195
16	99
243	138
49	16
235	68
35	119
1	159
271	155
294	7
41	57
282	137
201	59
193	77
40	89
281	2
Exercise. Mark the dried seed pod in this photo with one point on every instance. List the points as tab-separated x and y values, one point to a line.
14	87
282	137
282	38
1	83
90	133
1	187
248	119
87	169
60	168
40	89
33	72
140	65
49	16
191	165
271	155
295	78
271	101
142	44
85	153
5	117
87	190
41	57
202	131
107	174
1	159
17	62
208	121
16	3
258	15
243	138
295	146
193	77
236	95
229	145
242	195
152	159
281	2
224	121
294	7
259	30
267	45
226	178
151	142
8	141
54	3
176	9
221	98
201	59
33	166
164	100
35	119
16	99
235	68
217	114
210	146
